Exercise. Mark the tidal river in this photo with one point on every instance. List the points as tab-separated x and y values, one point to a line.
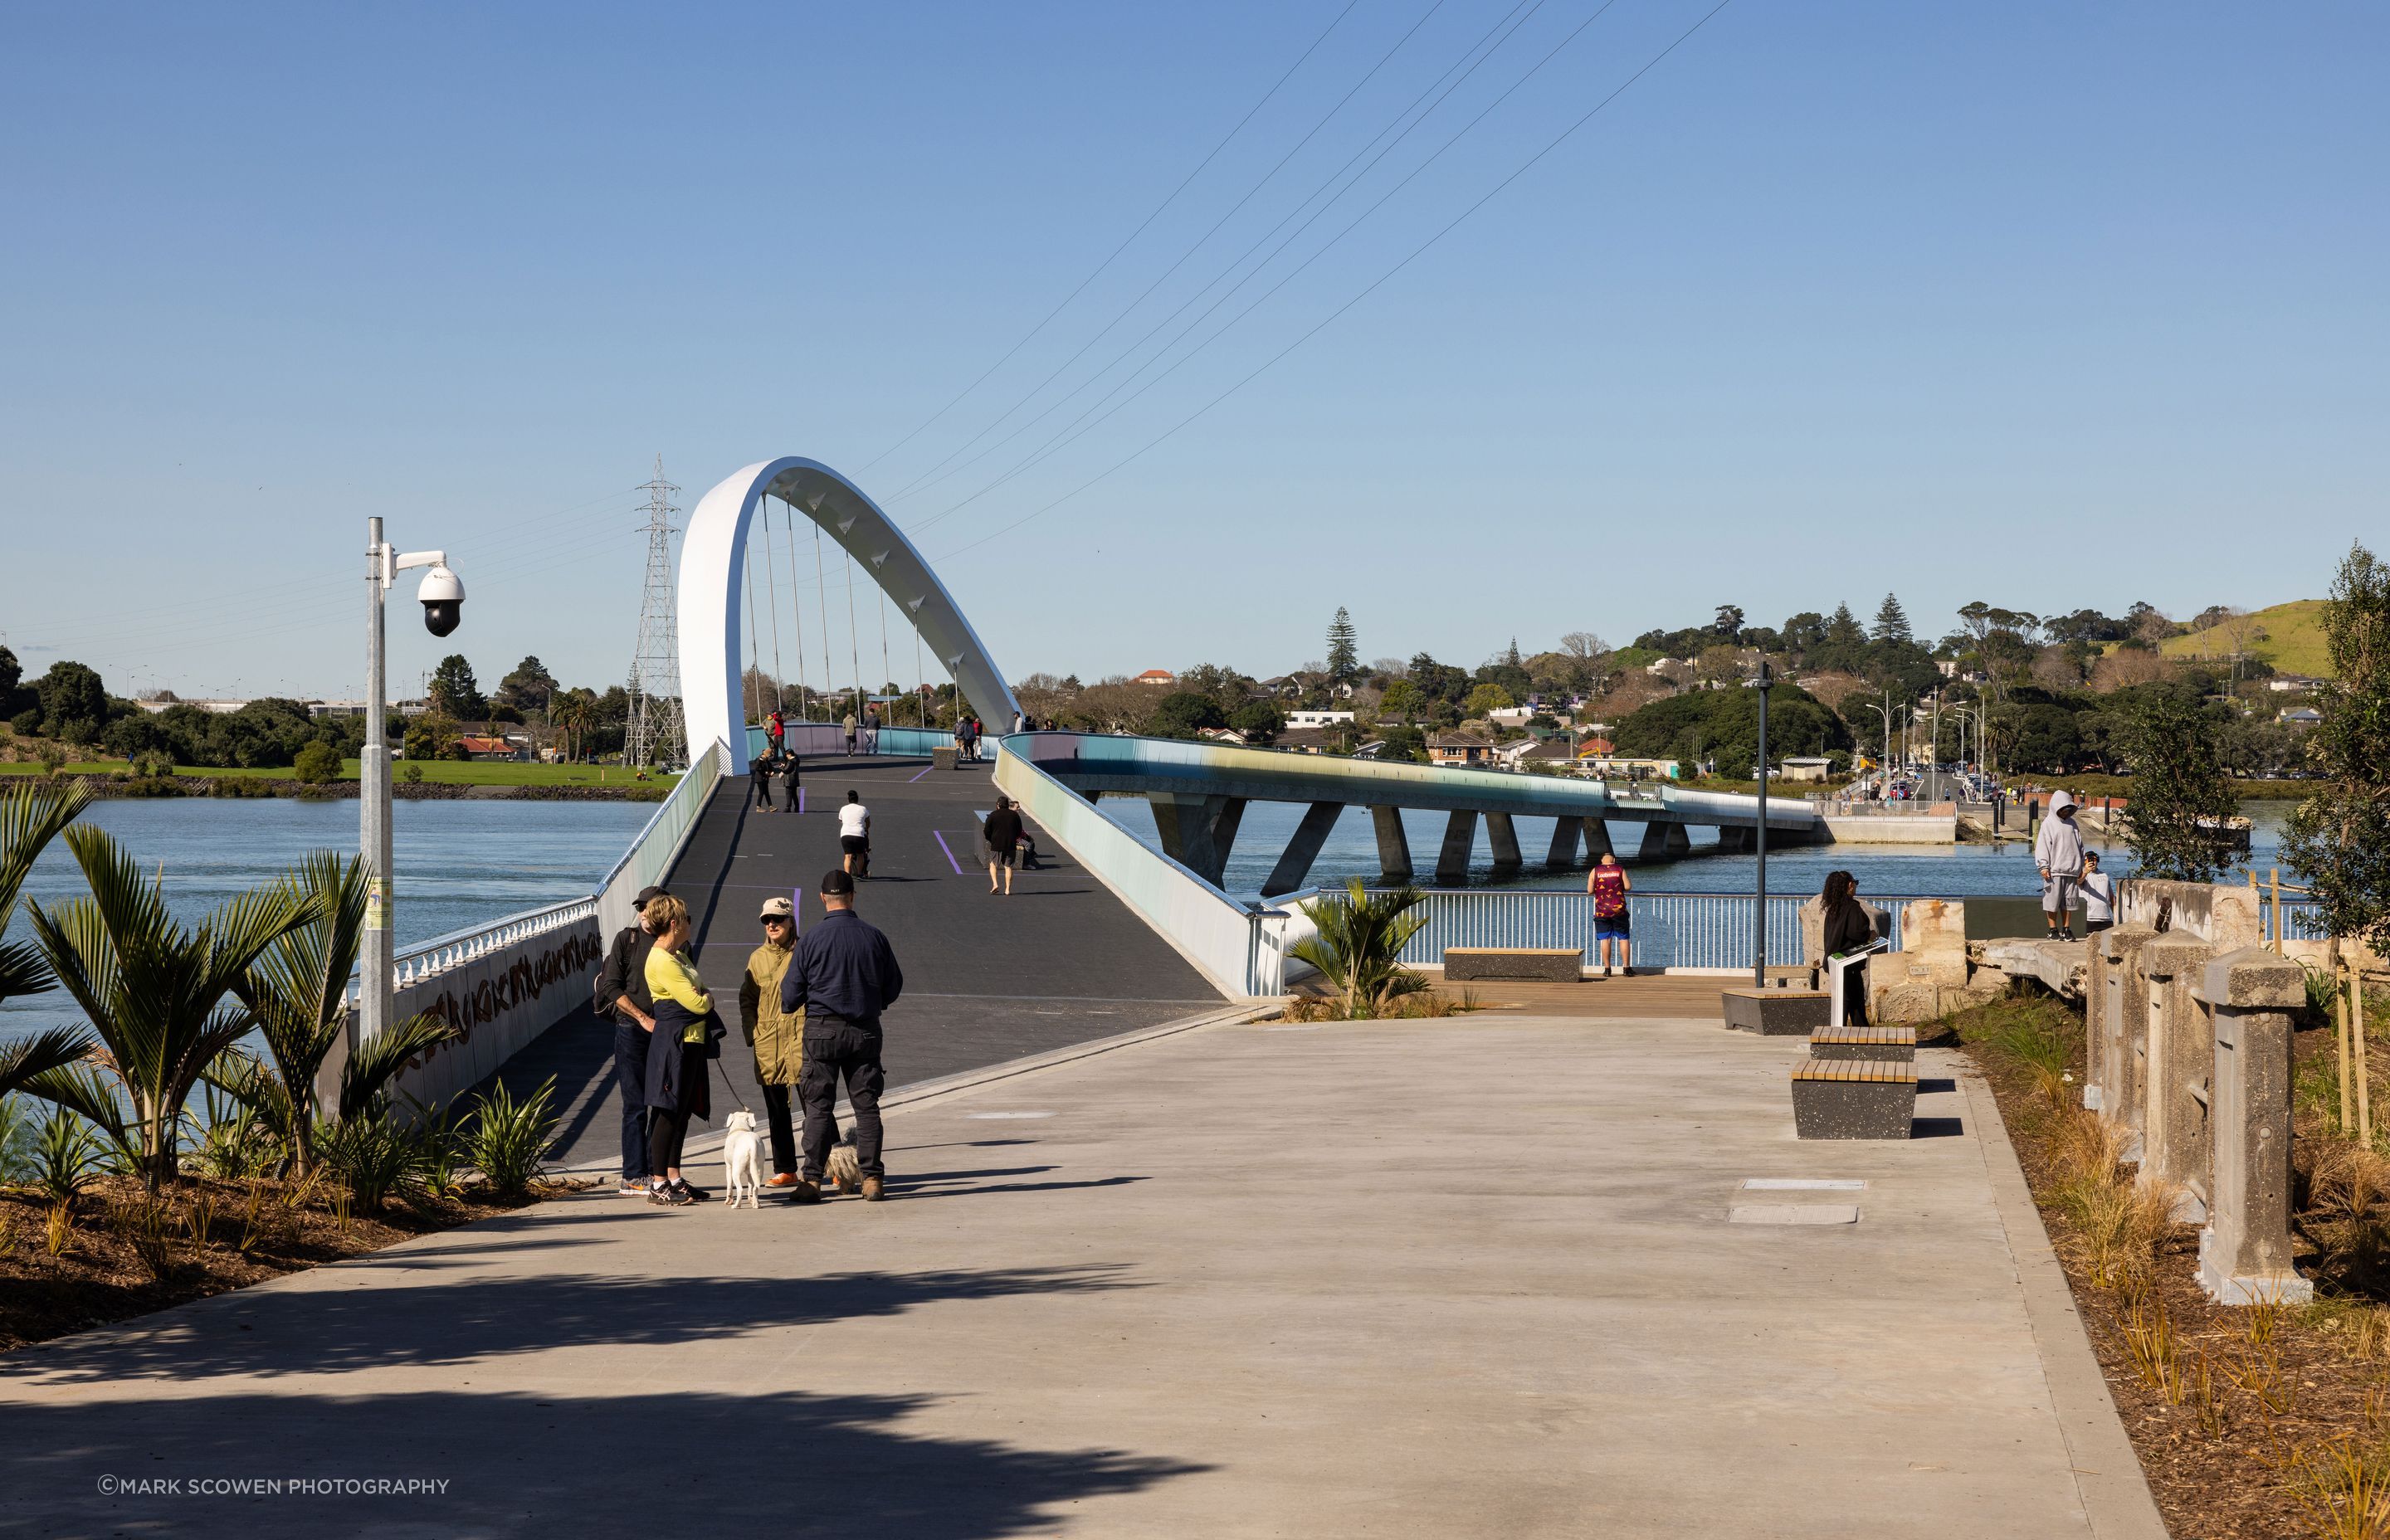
457	862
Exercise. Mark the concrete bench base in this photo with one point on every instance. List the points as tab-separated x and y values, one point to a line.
1898	1043
1853	1099
1548	964
945	758
1777	1012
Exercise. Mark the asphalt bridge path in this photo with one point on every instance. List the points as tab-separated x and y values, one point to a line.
987	979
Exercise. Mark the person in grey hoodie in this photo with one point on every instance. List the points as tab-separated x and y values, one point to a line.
2058	852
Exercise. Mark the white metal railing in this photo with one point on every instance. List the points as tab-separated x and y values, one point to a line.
1238	946
659	844
1691	931
426	960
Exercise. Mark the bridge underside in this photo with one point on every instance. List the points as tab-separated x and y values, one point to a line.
1198	793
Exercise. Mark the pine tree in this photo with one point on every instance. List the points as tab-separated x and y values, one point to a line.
1891	621
1842	628
1512	656
1343	648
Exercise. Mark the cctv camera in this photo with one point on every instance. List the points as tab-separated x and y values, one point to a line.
442	598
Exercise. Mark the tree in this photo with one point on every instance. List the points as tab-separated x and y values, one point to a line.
1225	685
454	693
2340	837
14	697
1404	745
31	817
154	992
1401	702
2178	818
1260	720
1891	621
74	703
573	714
318	764
1343	648
431	736
1184	714
529	688
1488	697
1728	624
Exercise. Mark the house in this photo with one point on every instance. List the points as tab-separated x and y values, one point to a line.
1621	767
1596	747
1512	716
1312	741
1221	734
1156	677
320	708
1527	752
2283	684
1316	719
1459	750
2304	716
1803	768
491	749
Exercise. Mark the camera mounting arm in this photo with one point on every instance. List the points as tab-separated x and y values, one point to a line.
393	562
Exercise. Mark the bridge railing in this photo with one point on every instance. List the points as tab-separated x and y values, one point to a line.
1238	946
829	737
659	844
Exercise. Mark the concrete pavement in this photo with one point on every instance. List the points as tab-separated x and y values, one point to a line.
1450	1278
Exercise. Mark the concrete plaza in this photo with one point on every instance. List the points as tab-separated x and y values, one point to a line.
1481	1277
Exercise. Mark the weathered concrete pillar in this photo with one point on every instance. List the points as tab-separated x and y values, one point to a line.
1459	839
1303	849
2244	1253
1597	839
1197	831
1734	839
1503	836
1662	840
2116	1013
1394	846
1563	854
2179	1053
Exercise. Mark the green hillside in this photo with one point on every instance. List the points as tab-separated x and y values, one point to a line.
2292	641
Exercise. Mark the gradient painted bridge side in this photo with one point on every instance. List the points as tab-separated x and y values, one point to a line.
1199	792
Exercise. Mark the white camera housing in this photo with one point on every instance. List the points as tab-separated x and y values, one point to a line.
442	598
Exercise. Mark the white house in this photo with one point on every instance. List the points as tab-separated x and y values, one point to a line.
1316	719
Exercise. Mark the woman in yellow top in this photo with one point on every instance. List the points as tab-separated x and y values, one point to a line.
676	1052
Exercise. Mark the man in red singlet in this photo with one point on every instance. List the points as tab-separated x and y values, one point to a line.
1607	882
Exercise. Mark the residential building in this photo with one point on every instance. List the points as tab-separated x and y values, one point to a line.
2304	716
1523	752
492	749
1316	719
1459	750
320	708
2286	684
1596	747
1803	768
1156	677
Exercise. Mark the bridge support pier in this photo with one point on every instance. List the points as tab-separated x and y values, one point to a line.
1503	836
1303	849
1733	840
1394	846
1596	840
1562	855
1664	842
1196	832
1459	839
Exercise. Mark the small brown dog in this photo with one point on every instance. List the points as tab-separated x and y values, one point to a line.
845	1172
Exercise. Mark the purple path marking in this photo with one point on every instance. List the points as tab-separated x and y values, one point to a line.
950	852
918	774
800	799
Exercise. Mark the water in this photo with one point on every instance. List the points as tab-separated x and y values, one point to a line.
1938	871
457	863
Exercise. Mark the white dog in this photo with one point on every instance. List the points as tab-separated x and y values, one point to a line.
741	1157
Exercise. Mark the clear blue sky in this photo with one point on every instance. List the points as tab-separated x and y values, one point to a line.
2051	305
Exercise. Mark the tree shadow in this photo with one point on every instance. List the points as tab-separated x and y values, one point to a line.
724	1461
384	1320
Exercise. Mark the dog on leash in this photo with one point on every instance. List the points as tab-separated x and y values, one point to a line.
742	1158
845	1172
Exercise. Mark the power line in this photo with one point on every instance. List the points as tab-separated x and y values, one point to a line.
1124	246
1415	255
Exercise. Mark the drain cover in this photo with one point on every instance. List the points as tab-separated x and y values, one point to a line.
1793	1214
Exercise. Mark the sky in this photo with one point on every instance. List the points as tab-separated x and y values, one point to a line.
1165	330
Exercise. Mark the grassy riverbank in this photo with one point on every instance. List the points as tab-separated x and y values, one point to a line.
438	772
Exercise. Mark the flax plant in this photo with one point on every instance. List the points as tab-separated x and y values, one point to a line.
1358	947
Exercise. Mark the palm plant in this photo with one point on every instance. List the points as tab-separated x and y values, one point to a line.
1358	946
154	992
30	815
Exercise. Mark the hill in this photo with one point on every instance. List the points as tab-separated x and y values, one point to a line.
2293	639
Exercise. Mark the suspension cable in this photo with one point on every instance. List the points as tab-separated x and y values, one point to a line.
796	606
772	588
746	687
821	592
853	649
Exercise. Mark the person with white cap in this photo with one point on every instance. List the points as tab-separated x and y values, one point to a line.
776	1035
2058	852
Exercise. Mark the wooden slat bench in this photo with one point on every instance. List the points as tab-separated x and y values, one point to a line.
1853	1099
1892	1042
1552	964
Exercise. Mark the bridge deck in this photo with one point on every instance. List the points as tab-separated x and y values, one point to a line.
986	979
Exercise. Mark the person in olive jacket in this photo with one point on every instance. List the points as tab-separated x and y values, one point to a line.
777	1036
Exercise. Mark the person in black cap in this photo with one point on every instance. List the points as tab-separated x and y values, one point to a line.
621	998
844	975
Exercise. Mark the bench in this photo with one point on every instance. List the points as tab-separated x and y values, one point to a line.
1890	1042
943	756
1777	1012
1552	964
1853	1099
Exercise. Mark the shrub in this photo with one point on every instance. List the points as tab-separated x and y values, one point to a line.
411	773
318	764
508	1137
65	1155
53	755
373	1157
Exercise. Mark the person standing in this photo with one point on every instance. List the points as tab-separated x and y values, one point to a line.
2099	895
2058	853
1612	925
759	775
855	837
850	730
776	728
777	1036
622	998
844	975
677	1054
788	779
1000	836
1848	929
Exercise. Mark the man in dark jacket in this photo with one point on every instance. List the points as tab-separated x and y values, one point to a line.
844	975
622	997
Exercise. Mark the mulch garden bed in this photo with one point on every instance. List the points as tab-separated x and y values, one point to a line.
2224	1457
250	1231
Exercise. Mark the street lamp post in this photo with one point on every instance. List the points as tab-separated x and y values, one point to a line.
442	598
1759	924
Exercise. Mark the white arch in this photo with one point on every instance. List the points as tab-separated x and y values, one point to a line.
713	557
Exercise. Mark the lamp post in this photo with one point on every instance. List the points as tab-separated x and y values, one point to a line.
442	598
1759	923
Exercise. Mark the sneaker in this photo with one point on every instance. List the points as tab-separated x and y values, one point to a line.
669	1196
804	1192
633	1187
2066	934
873	1189
782	1179
693	1195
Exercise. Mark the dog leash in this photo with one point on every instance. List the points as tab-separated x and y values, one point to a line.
732	1089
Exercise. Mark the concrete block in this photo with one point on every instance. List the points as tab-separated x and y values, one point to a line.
1548	964
2252	979
945	757
2060	966
1903	1001
1854	1099
2244	1253
2117	1018
1933	939
1777	1012
1892	1044
2177	1051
